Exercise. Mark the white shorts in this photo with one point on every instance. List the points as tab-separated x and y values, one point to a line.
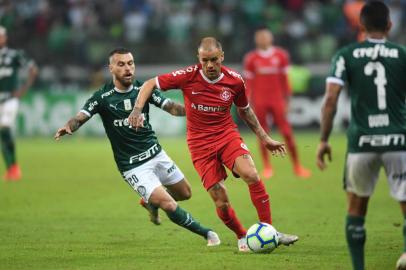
160	170
362	172
8	112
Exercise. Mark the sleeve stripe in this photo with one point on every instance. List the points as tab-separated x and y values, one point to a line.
157	82
164	102
335	80
86	112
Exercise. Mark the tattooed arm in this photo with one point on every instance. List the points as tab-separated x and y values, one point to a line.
72	125
249	117
174	108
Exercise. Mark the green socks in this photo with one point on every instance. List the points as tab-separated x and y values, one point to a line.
185	220
7	146
356	236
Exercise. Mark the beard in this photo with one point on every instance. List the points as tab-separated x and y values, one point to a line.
125	81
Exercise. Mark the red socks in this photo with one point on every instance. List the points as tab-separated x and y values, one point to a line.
260	199
231	221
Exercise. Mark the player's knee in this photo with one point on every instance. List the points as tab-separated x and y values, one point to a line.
187	193
168	205
222	205
250	176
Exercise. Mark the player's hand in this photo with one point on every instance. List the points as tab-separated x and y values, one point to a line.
62	131
136	118
276	148
323	150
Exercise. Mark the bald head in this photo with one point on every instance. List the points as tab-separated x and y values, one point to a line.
209	44
210	55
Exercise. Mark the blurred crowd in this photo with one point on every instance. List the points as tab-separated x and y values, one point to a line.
81	32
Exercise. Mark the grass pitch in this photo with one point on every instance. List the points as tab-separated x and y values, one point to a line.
72	210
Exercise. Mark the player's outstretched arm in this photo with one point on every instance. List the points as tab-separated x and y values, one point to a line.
249	117
72	125
135	119
174	108
328	112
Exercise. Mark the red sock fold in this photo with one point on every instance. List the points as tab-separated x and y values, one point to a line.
230	219
260	199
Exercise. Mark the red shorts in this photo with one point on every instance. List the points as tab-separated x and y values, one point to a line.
209	162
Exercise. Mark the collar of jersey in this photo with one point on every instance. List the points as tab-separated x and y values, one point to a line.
265	53
211	81
129	89
2	50
374	40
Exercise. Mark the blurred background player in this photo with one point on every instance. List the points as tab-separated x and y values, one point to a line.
140	158
11	61
266	77
209	90
375	74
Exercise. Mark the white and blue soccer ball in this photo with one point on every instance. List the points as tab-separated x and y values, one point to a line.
262	238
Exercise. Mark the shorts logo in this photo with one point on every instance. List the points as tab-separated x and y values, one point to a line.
244	146
142	191
225	94
171	169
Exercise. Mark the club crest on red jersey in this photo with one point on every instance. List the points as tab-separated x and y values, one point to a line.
225	94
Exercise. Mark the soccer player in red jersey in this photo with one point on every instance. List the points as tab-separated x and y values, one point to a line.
209	90
265	73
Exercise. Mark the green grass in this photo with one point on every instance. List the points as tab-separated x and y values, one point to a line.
72	210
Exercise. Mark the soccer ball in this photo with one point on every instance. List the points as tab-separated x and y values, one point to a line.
262	238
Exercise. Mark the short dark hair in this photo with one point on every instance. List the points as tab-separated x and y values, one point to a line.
375	16
261	27
119	50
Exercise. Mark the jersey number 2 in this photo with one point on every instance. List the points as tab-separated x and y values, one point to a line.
379	81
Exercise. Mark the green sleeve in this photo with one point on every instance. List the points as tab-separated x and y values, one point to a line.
92	105
158	99
338	71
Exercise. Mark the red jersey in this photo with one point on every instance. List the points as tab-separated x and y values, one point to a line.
265	72
207	103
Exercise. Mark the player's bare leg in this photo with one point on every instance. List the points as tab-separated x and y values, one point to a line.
267	171
244	166
180	191
401	263
262	113
226	213
161	198
354	228
287	133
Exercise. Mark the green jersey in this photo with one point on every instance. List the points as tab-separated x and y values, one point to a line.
375	71
130	148
10	62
